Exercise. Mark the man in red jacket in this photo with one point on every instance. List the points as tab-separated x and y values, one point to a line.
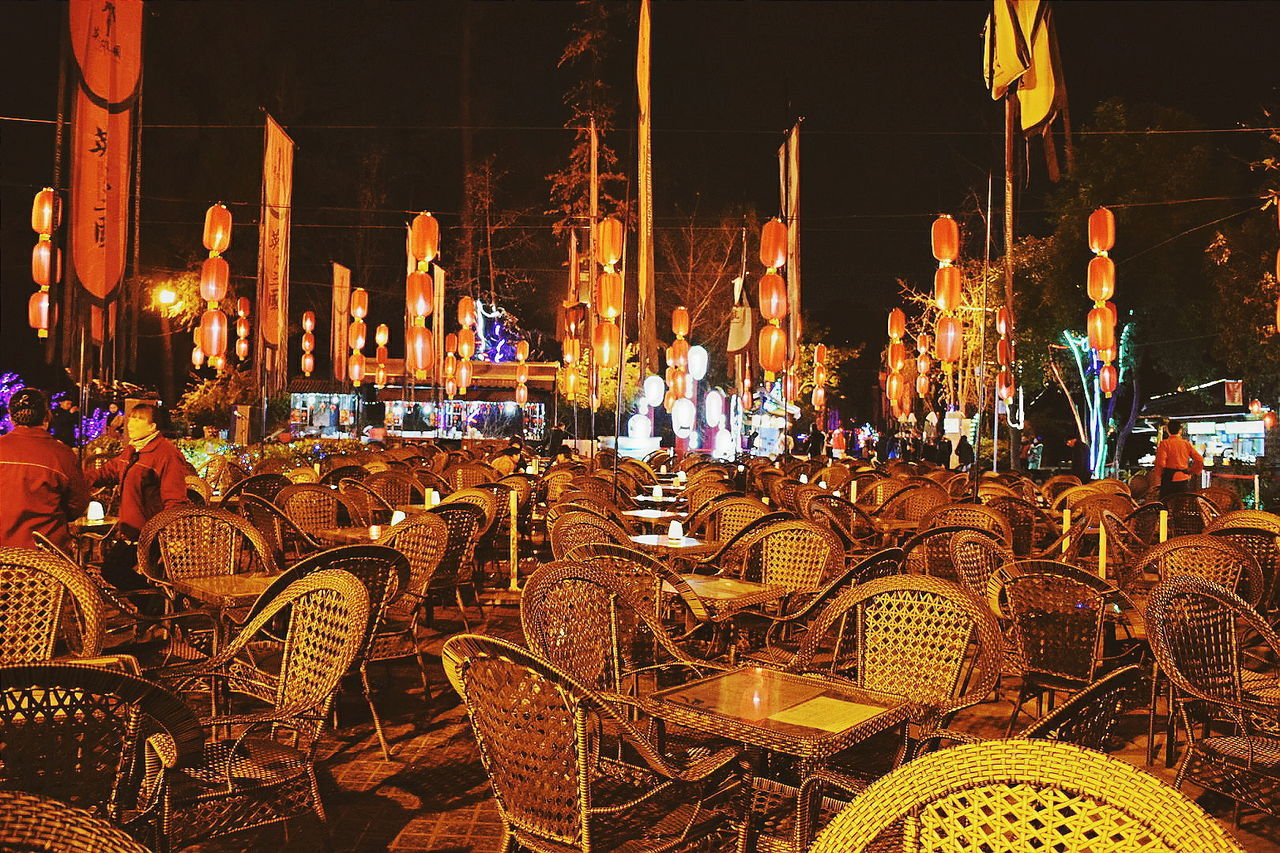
1177	462
41	486
152	476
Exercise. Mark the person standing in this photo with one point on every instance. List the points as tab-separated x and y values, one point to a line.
152	475
555	440
964	453
62	424
40	479
1080	459
815	441
1177	462
114	427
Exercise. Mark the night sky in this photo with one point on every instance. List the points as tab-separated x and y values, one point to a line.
897	124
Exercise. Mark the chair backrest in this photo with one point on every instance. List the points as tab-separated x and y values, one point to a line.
280	531
44	599
908	636
370	507
198	491
423	539
577	528
266	486
645	575
1145	521
914	502
1225	499
1092	507
302	474
1022	795
1089	717
929	551
969	515
797	555
1189	513
852	517
81	734
1264	546
334	476
197	541
465	521
313	507
722	517
39	823
470	474
1208	557
1246	518
1022	517
395	487
1057	624
485	499
1058	484
976	556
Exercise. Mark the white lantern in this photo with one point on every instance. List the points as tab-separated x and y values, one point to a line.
698	361
690	388
682	415
655	390
723	444
639	426
713	404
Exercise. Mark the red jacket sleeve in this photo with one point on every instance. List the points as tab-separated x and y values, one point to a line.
111	471
173	480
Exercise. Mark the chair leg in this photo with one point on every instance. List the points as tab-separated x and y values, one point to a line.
457	596
377	722
1017	708
1151	714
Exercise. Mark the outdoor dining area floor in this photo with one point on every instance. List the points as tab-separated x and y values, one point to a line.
433	794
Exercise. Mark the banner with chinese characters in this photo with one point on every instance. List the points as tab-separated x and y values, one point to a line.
341	302
106	40
273	253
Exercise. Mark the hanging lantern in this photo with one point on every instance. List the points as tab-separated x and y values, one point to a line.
923	364
380	375
242	306
522	395
46	261
356	334
1004	352
382	335
217	228
242	327
570	383
897	324
522	350
680	321
522	373
46	211
308	321
213	333
1108	379
1269	421
945	239
1004	385
683	413
463	376
419	294
773	245
574	314
679	353
466	343
819	398
420	350
606	342
1102	329
43	264
451	342
893	386
197	358
1003	321
819	374
609	295
1255	407
946	288
713	408
773	348
214	273
424	238
654	389
450	387
747	401
569	350
791	387
1102	231
609	242
355	367
242	348
450	366
1102	278
773	296
467	312
1105	355
676	381
897	356
922	386
950	340
359	303
38	312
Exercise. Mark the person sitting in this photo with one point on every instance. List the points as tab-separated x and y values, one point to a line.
40	479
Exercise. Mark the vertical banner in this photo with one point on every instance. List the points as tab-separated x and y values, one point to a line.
646	313
106	39
273	254
792	216
341	302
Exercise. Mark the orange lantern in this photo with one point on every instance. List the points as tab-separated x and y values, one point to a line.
1102	230
1107	354
820	353
922	386
678	381
214	273
1102	278
923	364
46	211
679	353
1108	378
897	355
419	294
522	372
897	324
242	306
609	295
609	242
574	314
893	386
38	313
773	244
923	342
1004	352
197	357
242	348
242	327
1102	329
790	387
420	349
569	350
450	366
359	303
382	335
820	374
946	288
950	339
356	334
381	355
464	376
680	321
424	237
355	367
570	382
1255	407
819	398
945	238
773	296
308	342
308	321
607	341
43	263
1004	322
217	229
522	350
450	387
380	375
1004	385
451	342
747	401
467	312
466	343
213	333
773	348
1269	420
522	395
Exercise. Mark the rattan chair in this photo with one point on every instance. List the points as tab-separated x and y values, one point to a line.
578	528
465	521
1221	654
1022	795
314	507
969	515
192	541
48	607
303	474
540	732
651	581
335	475
929	551
198	491
94	738
1056	485
30	823
723	516
1209	557
799	556
396	488
286	538
1263	545
1225	499
1189	513
368	506
851	522
265	486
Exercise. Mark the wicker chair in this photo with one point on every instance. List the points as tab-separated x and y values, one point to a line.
265	486
1263	545
428	479
303	474
969	515
44	600
396	488
929	551
1189	513
722	517
1056	485
608	513
365	502
258	778
913	503
286	538
651	581
313	507
471	474
1209	557
1145	521
799	556
555	788
875	493
334	476
1022	795
850	521
192	541
976	557
1225	499
198	491
1197	630
577	528
94	738
31	823
457	567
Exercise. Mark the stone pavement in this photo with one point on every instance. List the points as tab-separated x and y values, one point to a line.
433	795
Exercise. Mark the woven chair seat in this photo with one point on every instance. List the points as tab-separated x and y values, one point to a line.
1265	751
393	640
773	815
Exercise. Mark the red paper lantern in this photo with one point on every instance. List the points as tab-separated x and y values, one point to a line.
1108	378
424	237
43	263
1004	320
773	244
46	211
359	303
922	386
1255	407
1004	385
450	387
569	350
467	312
609	295
678	381
897	355
1102	329
819	397
609	242
197	358
420	348
773	348
355	367
356	334
522	395
773	296
790	387
679	354
242	306
893	386
923	342
419	294
1107	354
607	342
466	344
380	375
924	364
819	374
522	373
897	323
946	288
820	353
308	342
451	342
1102	278
463	376
213	279
680	321
950	337
381	355
450	366
382	335
38	312
217	229
522	350
747	401
574	314
1102	230
213	333
308	321
242	327
242	349
1004	352
945	237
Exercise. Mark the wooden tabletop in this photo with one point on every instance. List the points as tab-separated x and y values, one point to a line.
224	590
687	546
350	535
653	514
85	525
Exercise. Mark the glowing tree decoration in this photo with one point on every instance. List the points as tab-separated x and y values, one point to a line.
242	328
1004	356
308	342
214	274
949	330
772	342
46	261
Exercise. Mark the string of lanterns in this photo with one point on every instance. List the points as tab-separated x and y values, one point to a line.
772	341
419	294
1101	286
896	387
214	274
1004	355
819	398
46	260
308	342
924	367
607	338
949	329
522	373
380	337
466	342
242	328
356	335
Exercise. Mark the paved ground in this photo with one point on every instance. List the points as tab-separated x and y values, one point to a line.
433	795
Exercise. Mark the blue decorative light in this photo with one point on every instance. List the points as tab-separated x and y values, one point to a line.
10	384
